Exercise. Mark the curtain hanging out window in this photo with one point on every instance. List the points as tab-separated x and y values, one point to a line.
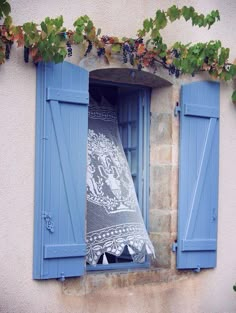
114	220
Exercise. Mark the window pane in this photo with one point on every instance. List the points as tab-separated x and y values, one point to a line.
134	162
134	111
133	135
124	137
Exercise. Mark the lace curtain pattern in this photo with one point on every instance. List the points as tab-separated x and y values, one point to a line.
114	220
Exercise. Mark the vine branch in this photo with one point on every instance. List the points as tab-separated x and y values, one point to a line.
51	41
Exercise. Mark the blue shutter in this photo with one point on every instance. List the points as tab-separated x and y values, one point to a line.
60	187
198	176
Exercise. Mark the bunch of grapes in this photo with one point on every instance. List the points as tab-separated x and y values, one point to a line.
139	41
8	49
105	39
140	65
89	48
175	53
128	53
26	54
69	49
100	51
173	70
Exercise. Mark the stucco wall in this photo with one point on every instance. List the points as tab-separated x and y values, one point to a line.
207	292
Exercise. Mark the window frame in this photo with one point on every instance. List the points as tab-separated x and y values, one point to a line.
144	119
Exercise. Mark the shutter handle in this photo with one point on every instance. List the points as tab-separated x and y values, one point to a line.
49	223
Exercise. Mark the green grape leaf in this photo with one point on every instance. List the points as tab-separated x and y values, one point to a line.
173	13
78	38
116	48
44	27
5	8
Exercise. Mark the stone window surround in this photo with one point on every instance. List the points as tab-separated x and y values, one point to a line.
164	132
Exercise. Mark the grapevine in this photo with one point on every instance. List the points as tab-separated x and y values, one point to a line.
51	41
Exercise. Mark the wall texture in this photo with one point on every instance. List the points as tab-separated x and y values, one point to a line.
162	289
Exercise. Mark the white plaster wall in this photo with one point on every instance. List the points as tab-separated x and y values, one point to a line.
207	292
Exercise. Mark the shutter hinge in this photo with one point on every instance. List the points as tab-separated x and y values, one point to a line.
197	269
177	109
62	278
174	246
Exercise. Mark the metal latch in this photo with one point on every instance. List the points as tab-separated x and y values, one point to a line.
177	109
174	246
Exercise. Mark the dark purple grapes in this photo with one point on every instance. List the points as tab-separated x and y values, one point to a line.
177	73
105	39
69	49
125	52
175	53
8	49
101	51
172	69
140	66
131	59
26	54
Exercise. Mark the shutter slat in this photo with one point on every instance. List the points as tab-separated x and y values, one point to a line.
198	245
64	251
67	95
200	110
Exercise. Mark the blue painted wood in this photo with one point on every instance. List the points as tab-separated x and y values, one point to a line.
64	251
67	95
134	124
128	125
198	176
60	188
146	154
200	110
199	245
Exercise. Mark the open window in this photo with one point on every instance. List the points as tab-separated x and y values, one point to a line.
132	109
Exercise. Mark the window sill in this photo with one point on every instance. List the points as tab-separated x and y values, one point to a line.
103	280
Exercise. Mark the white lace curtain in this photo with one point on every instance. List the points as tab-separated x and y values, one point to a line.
114	220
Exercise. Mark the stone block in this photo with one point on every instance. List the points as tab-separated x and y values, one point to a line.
162	246
175	154
160	187
160	154
175	129
161	129
173	222
161	100
174	187
159	221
